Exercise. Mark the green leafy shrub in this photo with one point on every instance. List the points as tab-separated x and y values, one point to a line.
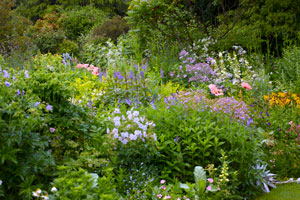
288	69
111	28
24	155
68	46
80	20
188	138
79	184
48	33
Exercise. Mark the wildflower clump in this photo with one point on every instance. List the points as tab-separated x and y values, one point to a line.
237	110
189	99
191	71
293	132
282	99
131	127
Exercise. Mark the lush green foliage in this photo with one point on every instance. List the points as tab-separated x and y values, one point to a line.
174	108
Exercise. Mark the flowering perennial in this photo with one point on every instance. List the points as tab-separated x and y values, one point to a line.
282	99
131	127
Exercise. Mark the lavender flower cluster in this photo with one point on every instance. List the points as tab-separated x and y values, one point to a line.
191	71
190	99
237	110
131	127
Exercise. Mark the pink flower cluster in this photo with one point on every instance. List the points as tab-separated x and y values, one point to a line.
89	68
246	85
214	90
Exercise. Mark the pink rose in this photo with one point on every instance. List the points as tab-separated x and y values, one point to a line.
210	180
246	85
162	182
79	66
86	66
96	71
214	90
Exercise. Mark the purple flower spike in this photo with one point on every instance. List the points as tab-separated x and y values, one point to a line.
131	76
142	74
120	77
115	74
145	66
100	76
136	66
128	101
161	73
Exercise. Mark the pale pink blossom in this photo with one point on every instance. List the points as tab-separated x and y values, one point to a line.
86	66
214	90
162	182
167	197
163	187
208	188
210	180
52	130
95	71
246	85
79	66
159	196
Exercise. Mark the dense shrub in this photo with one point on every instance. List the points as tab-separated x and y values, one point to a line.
196	137
111	28
80	20
287	69
25	159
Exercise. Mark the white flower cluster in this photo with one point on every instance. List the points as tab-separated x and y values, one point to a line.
233	68
38	193
131	127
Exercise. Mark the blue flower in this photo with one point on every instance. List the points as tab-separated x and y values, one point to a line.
128	101
18	92
6	74
131	76
142	74
49	107
100	76
26	74
37	104
7	84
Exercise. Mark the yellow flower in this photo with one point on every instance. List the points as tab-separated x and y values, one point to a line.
282	94
266	97
288	101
